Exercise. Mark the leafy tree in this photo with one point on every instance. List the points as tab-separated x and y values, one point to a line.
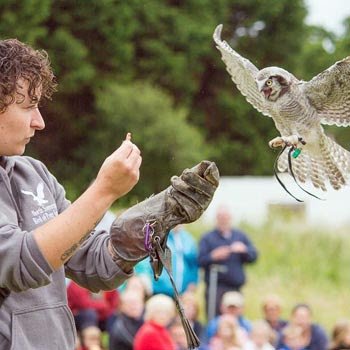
168	143
166	47
24	19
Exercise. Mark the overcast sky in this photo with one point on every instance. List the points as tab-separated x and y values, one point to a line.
328	13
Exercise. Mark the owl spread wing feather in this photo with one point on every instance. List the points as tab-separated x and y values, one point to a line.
329	93
242	71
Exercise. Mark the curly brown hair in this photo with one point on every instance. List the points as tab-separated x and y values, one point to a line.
18	60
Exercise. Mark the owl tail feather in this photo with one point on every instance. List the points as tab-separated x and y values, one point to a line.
280	164
336	162
330	163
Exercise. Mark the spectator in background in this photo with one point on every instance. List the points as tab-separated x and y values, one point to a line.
140	283
92	309
153	335
184	263
313	336
226	337
191	307
231	249
232	305
128	322
91	339
292	338
341	336
272	309
178	334
260	337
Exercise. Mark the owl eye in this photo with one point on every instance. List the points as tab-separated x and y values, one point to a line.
268	82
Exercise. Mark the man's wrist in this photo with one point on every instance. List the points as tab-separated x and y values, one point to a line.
102	194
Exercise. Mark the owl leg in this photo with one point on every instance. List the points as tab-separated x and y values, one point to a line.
281	141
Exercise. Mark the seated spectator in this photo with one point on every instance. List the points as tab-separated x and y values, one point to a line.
153	335
272	309
341	336
178	334
91	339
128	322
140	283
191	307
232	304
226	337
292	338
92	309
183	262
313	335
260	337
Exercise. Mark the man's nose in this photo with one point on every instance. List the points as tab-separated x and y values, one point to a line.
37	120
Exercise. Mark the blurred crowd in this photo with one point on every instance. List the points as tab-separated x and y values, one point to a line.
141	314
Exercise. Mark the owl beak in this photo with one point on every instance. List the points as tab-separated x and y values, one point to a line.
263	88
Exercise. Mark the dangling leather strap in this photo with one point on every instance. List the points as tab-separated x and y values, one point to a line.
290	168
161	257
164	256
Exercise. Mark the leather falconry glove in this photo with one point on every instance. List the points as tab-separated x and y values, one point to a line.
143	229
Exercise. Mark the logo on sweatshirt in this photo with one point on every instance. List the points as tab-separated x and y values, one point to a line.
43	209
39	197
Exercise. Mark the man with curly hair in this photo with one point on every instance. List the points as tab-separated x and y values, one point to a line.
35	242
43	237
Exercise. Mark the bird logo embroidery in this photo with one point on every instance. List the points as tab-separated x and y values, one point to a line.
39	197
298	108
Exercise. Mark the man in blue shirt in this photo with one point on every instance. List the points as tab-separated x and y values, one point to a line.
226	250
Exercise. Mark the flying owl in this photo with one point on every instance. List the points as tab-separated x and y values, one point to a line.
298	109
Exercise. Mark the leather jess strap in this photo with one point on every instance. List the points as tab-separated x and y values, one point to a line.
161	257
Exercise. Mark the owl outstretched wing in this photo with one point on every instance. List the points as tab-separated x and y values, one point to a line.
329	93
242	71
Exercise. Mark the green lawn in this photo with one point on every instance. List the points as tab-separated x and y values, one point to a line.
301	264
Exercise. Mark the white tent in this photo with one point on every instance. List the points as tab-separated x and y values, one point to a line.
252	199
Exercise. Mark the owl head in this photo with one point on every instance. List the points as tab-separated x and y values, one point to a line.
274	82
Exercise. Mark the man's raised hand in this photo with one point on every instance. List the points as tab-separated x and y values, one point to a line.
120	171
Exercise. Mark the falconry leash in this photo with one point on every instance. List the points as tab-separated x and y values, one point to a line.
293	152
160	256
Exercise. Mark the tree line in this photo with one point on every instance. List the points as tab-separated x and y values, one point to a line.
150	67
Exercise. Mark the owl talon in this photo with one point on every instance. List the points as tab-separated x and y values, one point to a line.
289	141
277	142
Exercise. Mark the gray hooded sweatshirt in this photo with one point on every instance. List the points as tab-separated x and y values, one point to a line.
35	314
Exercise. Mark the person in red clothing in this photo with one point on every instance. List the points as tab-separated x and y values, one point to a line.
92	309
153	335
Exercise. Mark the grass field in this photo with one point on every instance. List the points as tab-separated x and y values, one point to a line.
301	264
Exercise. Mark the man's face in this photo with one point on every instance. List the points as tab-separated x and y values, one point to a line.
223	219
302	318
272	312
232	310
19	122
